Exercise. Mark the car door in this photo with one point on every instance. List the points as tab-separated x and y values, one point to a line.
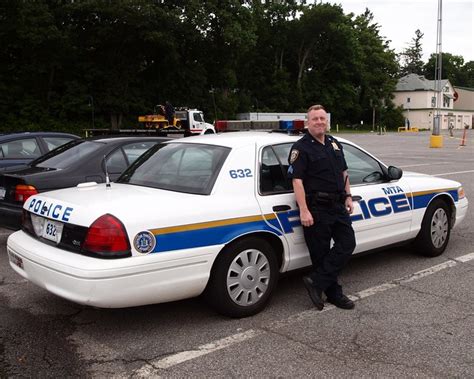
277	201
382	212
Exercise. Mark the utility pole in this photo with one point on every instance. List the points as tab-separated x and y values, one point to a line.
436	139
91	104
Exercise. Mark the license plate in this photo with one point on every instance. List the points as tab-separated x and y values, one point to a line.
15	259
52	230
2	193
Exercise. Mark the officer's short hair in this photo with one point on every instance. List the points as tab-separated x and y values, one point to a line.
316	107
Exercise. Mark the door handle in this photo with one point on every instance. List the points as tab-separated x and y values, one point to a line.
356	198
281	208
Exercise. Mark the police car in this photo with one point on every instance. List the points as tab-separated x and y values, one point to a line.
215	215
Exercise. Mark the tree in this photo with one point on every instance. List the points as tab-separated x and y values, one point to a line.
377	69
452	68
411	56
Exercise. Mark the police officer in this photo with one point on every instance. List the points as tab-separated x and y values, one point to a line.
321	184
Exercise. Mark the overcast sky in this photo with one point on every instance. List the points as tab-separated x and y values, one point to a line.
398	21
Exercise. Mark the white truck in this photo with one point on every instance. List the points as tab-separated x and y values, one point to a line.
185	122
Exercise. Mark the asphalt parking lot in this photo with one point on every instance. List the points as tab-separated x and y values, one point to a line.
413	315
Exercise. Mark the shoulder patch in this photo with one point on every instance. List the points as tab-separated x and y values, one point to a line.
335	146
294	155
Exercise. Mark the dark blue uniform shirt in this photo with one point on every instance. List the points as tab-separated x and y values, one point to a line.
319	166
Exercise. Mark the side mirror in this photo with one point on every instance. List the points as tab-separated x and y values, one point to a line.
394	173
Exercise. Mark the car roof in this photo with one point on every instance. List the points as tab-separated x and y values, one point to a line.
8	136
243	138
116	139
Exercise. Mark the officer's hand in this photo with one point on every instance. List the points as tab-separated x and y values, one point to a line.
306	218
349	205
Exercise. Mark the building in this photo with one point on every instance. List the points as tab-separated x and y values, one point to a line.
417	96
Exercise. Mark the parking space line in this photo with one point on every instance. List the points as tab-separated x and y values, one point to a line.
453	173
183	356
465	258
416	165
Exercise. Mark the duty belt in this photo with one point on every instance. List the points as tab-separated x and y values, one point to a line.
327	197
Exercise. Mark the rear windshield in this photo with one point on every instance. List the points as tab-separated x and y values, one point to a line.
181	167
64	156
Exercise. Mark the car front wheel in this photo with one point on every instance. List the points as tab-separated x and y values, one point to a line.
435	230
243	278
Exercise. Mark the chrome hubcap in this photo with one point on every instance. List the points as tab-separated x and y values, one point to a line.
439	227
248	277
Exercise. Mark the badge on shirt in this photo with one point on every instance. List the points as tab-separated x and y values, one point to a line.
334	146
294	155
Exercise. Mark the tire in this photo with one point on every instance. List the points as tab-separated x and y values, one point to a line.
243	278
209	131
435	230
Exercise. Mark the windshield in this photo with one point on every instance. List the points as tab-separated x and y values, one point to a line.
66	155
181	167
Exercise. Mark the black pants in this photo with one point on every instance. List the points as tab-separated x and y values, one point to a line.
330	222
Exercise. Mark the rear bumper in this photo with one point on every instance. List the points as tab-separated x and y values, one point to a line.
112	283
10	216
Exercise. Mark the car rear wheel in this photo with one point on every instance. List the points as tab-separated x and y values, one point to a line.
243	278
435	230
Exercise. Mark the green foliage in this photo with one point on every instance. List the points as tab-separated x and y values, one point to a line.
66	65
452	68
411	56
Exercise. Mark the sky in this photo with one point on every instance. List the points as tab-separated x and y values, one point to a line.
398	21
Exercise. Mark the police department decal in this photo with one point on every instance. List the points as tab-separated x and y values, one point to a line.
294	155
144	242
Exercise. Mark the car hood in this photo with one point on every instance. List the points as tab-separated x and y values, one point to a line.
424	182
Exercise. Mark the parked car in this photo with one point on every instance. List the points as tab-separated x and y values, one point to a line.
213	214
79	161
22	148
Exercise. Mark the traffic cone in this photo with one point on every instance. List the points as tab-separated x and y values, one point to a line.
463	140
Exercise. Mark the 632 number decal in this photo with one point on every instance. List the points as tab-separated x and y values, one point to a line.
240	173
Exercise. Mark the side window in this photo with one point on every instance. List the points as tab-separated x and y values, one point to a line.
198	117
116	162
362	168
134	150
25	148
54	142
273	169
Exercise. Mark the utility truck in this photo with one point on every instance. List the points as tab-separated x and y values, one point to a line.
184	122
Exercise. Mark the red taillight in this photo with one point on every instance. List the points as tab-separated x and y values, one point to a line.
23	192
106	235
26	223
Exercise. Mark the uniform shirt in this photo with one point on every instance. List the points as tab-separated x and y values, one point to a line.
319	166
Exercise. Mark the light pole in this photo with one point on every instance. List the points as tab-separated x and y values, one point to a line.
436	139
256	101
91	104
407	119
214	103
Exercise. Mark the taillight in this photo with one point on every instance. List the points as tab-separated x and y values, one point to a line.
23	192
107	237
26	223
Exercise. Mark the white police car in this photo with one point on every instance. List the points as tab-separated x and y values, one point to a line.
213	214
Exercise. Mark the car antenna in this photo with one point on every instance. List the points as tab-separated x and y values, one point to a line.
107	179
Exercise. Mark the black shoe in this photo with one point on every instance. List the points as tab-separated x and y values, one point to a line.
314	293
342	302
